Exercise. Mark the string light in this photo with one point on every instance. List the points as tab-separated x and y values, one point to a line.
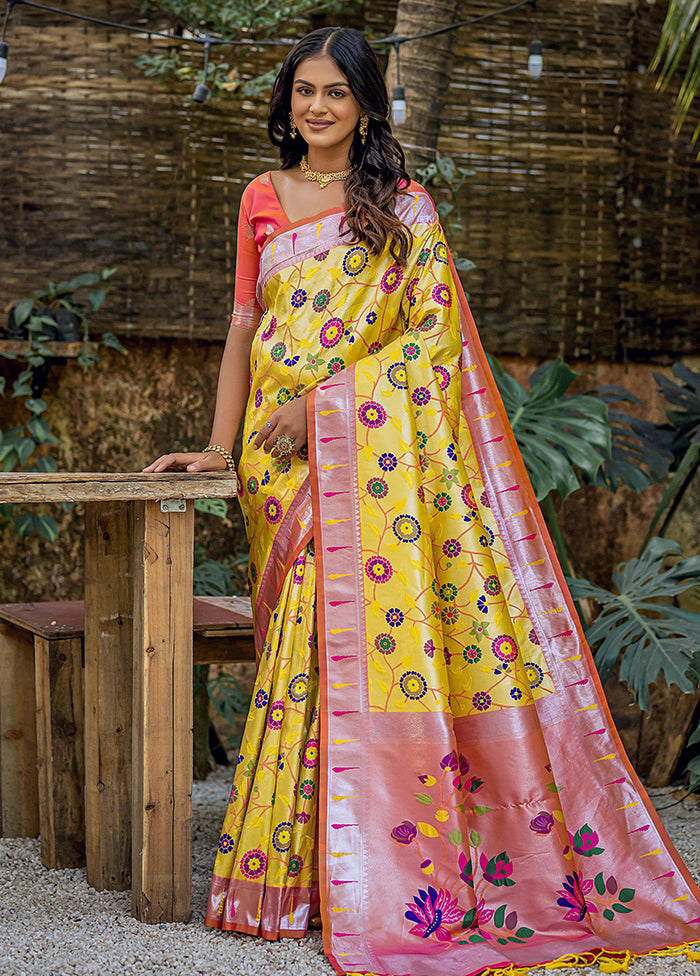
534	61
201	92
398	98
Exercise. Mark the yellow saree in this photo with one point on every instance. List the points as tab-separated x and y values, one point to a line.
476	811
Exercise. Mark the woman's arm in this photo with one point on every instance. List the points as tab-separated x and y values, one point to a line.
231	398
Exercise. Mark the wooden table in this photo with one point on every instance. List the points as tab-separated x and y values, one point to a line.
138	675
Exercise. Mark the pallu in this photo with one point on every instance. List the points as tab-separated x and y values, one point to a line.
425	690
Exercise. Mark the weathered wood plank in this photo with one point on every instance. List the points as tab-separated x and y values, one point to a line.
19	798
61	769
109	595
66	618
162	762
223	649
83	487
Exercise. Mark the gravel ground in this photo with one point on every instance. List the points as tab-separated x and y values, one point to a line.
53	924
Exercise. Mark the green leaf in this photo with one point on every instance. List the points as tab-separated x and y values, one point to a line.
48	465
474	838
480	810
626	894
499	916
212	506
455	837
10	461
97	299
46	526
23	310
39	429
477	938
599	882
424	798
640	624
555	431
553	788
468	918
26	447
525	933
621	909
609	915
24	525
109	339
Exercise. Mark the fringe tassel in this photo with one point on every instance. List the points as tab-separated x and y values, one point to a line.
609	961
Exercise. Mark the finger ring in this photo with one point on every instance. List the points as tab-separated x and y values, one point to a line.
284	446
269	424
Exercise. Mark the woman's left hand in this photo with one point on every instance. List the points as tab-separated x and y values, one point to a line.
288	420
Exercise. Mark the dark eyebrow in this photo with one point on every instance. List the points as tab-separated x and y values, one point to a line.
336	84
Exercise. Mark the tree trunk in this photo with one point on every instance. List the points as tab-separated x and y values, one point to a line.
425	68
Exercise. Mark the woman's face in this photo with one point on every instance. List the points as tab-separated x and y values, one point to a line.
325	110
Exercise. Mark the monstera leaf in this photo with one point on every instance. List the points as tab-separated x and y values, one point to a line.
641	623
685	420
555	431
640	452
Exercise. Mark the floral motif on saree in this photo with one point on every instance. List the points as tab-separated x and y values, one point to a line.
476	808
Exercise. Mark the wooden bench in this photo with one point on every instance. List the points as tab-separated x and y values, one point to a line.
41	712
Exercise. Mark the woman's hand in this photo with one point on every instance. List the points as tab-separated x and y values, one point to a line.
188	461
289	420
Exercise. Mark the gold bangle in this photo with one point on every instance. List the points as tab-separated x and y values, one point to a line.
226	455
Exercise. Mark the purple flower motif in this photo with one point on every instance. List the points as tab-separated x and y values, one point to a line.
387	462
378	569
442	295
226	843
385	643
432	911
429	648
276	715
392	278
421	396
273	510
404	832
253	864
443	376
269	331
452	548
542	823
331	333
481	701
573	897
302	817
258	398
455	763
394	617
298	298
372	414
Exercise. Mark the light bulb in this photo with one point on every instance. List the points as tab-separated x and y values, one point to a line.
534	62
3	59
201	93
398	105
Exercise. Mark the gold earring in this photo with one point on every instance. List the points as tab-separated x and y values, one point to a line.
292	125
364	121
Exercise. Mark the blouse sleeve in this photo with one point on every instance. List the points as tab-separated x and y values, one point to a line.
246	310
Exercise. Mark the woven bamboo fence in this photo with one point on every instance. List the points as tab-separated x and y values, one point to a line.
581	218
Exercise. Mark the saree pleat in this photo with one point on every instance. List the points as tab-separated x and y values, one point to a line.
265	879
477	812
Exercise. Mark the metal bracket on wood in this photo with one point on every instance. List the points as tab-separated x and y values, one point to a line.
173	505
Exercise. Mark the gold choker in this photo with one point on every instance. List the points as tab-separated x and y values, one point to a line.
322	178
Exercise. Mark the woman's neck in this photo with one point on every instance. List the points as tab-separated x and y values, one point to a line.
332	160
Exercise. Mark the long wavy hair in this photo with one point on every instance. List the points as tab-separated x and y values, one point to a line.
379	166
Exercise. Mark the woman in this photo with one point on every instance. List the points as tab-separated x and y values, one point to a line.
428	748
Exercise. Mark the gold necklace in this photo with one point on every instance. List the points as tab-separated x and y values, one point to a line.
322	178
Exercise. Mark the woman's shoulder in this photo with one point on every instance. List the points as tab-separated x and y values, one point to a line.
414	204
259	187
